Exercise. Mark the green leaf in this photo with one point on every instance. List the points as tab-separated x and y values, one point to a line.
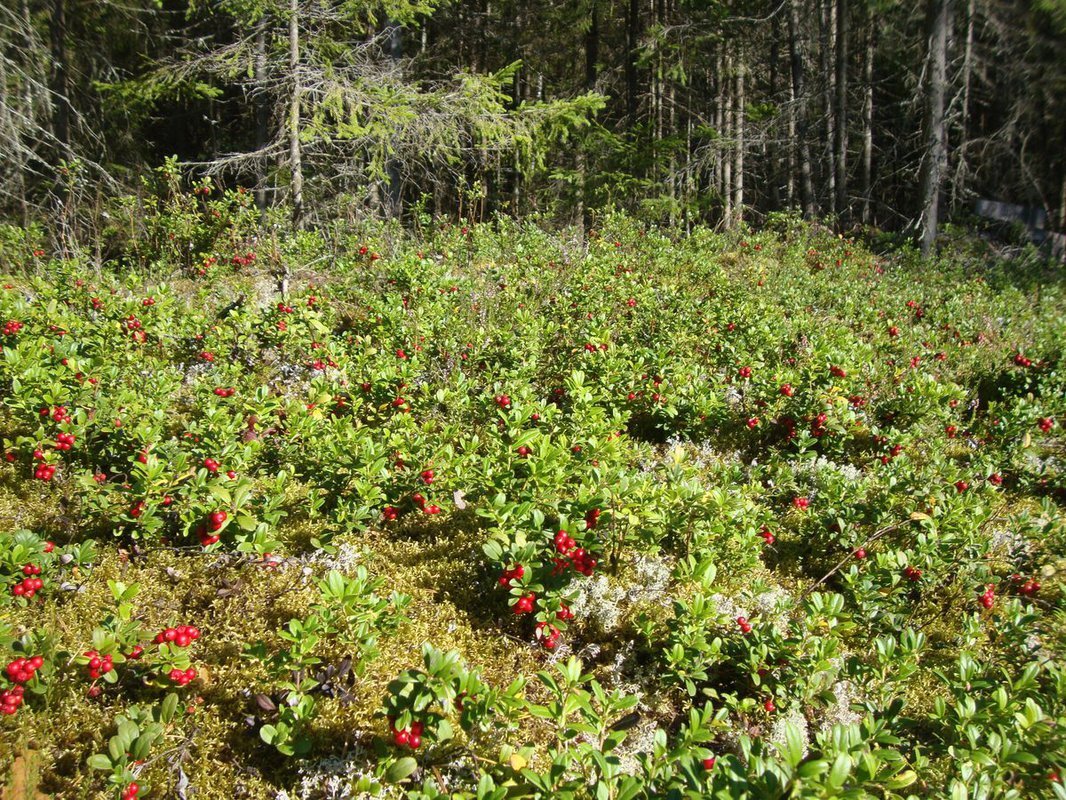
99	761
401	770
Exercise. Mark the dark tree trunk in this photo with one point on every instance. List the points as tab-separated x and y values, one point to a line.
395	188
60	87
632	43
802	147
295	155
842	203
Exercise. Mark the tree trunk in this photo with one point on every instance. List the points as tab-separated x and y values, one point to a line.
829	17
395	186
738	126
295	163
800	143
262	112
958	186
727	155
60	87
868	122
935	133
842	110
771	146
632	43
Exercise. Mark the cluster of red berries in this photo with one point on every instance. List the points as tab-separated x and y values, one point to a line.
44	472
503	401
64	441
548	635
225	391
913	574
995	479
1022	361
98	665
31	584
243	261
216	519
893	331
407	737
59	414
211	465
838	372
510	575
744	625
182	677
525	604
818	425
132	790
787	390
592	518
800	503
744	372
11	699
988	597
182	636
1046	424
11	327
767	536
1027	587
207	355
284	309
21	669
427	476
420	501
961	486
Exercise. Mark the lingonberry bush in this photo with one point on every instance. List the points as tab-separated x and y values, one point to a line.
479	514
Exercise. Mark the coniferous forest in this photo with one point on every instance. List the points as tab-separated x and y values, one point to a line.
574	400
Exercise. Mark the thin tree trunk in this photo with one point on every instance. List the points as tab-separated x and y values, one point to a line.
727	157
395	187
632	36
262	111
295	163
842	203
802	147
868	122
738	125
60	76
935	133
771	147
958	187
829	17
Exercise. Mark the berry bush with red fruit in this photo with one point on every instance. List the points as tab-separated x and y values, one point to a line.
477	515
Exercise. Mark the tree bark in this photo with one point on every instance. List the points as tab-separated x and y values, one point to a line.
395	187
800	143
829	17
771	147
632	43
295	163
935	132
262	111
738	126
958	186
868	122
842	203
727	155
